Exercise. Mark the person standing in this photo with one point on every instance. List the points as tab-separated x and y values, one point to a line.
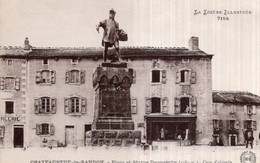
110	35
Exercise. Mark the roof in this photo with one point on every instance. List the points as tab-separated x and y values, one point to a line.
235	97
97	52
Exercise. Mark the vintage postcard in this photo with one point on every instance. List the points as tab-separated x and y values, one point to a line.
134	81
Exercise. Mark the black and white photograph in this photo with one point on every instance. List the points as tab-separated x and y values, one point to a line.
133	81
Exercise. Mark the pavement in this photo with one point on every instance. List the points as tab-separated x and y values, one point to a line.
161	154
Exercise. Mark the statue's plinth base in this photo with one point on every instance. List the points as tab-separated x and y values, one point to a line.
113	138
113	124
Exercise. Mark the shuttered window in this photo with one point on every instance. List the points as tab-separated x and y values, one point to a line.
2	131
75	77
9	83
185	76
46	76
158	76
45	105
44	129
75	105
186	104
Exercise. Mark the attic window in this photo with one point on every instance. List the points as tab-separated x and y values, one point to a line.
74	61
10	62
45	61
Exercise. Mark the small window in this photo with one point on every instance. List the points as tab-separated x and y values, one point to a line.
156	105
185	60
45	129
46	76
74	61
45	61
75	77
185	105
46	105
75	108
184	76
9	62
9	107
155	76
249	109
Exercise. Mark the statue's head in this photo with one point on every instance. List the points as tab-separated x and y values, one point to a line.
112	13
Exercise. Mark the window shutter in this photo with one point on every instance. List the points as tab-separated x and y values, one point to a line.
66	105
17	83
53	77
194	105
178	77
254	109
245	124
193	77
2	83
134	105
148	103
134	76
245	109
83	105
53	105
2	131
67	76
51	129
254	125
38	129
220	125
164	76
165	105
36	105
237	124
38	76
177	105
228	124
82	76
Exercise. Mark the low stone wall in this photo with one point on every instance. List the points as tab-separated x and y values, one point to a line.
113	138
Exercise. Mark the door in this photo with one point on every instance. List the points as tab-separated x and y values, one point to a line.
233	140
69	136
18	136
87	128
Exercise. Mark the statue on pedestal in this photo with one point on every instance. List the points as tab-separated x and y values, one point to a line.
112	35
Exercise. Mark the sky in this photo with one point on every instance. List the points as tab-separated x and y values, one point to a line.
235	43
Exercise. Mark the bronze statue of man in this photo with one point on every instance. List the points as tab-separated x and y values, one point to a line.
110	35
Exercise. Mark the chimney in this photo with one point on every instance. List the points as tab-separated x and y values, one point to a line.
26	44
194	43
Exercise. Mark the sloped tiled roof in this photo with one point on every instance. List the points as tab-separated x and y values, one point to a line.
90	52
235	97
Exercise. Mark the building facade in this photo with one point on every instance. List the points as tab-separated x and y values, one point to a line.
171	95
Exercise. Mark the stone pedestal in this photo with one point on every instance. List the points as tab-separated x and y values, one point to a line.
112	124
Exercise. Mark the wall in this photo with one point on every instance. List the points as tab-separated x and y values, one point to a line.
18	69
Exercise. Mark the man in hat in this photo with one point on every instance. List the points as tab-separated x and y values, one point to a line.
110	36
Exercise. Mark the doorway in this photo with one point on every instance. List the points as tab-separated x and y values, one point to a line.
18	136
233	139
87	128
69	135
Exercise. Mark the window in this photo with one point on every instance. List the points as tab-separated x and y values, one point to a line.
185	60
45	61
9	83
217	124
185	104
2	132
185	76
75	77
45	129
233	109
75	105
45	105
74	61
9	62
156	105
215	108
45	76
249	124
232	124
250	109
158	76
134	105
9	107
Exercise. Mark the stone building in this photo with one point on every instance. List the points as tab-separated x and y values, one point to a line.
233	114
171	94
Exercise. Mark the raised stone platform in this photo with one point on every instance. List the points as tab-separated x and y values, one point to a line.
113	138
